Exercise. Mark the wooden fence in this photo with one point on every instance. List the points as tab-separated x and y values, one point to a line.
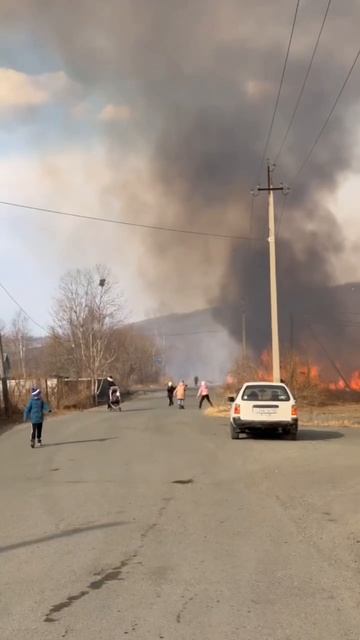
60	393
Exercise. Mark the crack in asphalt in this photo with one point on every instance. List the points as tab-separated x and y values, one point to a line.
183	608
112	575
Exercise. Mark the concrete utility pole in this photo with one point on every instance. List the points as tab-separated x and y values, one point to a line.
273	283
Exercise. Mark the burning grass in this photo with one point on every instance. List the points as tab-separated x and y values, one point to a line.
321	403
302	376
218	411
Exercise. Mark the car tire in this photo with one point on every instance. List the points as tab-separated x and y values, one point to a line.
291	433
234	434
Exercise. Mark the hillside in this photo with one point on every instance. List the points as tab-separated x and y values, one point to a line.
193	343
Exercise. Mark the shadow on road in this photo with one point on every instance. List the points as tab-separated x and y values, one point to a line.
60	444
62	534
318	434
141	409
310	435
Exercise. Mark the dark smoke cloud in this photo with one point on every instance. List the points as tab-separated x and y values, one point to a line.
202	77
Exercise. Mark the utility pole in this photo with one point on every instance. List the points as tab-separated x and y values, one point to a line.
164	355
243	328
5	389
291	336
273	283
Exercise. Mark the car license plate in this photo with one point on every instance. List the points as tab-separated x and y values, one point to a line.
265	412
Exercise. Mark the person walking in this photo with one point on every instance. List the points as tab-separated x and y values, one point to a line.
35	410
110	384
203	394
180	393
170	393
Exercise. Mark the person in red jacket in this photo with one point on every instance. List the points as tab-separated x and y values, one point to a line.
203	394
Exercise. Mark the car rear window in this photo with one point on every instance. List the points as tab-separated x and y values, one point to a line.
276	393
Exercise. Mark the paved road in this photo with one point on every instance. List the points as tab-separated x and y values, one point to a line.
153	524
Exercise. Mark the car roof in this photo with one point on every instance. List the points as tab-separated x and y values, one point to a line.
265	382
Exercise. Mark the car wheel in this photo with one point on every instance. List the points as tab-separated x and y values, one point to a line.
235	435
291	433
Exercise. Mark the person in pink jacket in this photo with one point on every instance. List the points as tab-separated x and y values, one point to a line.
203	394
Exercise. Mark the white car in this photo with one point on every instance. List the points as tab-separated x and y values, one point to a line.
264	406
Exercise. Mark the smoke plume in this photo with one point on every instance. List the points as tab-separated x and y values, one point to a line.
200	80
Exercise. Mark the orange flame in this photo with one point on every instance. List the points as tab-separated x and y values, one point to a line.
306	372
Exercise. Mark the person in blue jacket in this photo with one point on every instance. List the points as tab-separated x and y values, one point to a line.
34	412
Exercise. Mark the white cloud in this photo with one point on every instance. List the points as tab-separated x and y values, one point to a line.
256	89
115	112
58	85
20	91
75	180
82	110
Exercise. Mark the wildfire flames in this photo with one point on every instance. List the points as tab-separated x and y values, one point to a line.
297	373
354	383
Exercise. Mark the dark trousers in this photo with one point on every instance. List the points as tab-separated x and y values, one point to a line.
171	399
37	431
207	397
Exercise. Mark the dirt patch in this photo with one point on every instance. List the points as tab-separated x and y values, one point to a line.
218	411
331	416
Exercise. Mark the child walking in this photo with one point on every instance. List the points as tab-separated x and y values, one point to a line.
203	394
170	393
34	412
180	393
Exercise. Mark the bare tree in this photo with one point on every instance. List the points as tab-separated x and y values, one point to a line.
138	357
87	310
19	339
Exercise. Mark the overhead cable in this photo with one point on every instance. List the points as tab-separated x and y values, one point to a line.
152	227
26	314
301	92
268	137
317	139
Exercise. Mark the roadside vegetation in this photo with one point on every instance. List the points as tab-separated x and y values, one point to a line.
90	337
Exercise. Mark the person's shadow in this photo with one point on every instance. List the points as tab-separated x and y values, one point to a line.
60	444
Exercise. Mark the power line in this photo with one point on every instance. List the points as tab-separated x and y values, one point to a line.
301	92
186	333
317	139
279	91
26	314
127	224
328	355
312	148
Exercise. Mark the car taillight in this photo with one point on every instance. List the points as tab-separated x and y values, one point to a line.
237	410
294	411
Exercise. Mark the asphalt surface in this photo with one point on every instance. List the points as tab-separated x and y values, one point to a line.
153	524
